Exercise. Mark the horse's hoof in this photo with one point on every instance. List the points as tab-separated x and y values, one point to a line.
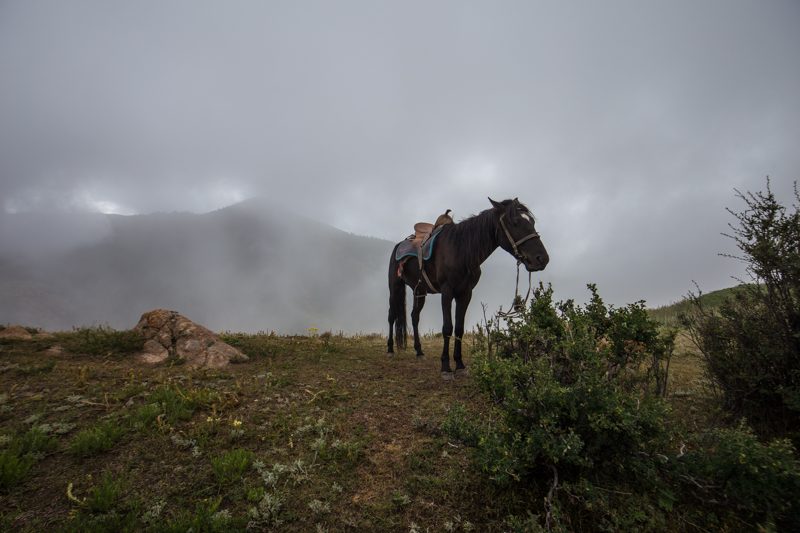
420	355
447	376
389	354
462	372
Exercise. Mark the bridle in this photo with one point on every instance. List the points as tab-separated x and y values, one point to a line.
515	244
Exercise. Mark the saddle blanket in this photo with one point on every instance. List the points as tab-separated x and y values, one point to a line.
408	247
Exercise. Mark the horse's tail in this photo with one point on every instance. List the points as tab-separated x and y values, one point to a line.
397	303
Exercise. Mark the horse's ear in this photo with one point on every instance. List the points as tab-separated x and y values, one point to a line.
497	205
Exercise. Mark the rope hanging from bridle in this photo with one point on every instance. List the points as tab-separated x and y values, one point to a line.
518	305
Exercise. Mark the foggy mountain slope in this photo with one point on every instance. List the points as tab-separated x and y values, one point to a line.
247	267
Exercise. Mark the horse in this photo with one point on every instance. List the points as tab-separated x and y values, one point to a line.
454	270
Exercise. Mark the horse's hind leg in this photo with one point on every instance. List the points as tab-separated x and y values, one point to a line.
419	303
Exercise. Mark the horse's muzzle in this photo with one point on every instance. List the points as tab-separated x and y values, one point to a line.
538	264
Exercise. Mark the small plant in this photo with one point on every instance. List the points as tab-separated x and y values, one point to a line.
230	466
319	507
97	439
172	403
206	518
22	453
105	496
35	442
267	514
13	468
400	499
144	416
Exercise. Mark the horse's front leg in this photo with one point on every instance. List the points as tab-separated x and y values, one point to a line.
461	311
447	330
419	303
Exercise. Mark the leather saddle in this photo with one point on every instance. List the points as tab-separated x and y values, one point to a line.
420	243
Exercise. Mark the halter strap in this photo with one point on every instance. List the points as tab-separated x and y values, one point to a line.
515	244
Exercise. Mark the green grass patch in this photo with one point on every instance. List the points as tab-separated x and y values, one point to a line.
230	466
13	468
101	340
97	439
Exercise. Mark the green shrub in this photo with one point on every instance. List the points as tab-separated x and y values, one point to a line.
144	416
101	340
739	478
97	439
172	403
231	465
106	495
13	468
22	453
751	345
578	407
35	442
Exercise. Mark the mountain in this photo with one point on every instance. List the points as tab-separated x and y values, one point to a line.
248	267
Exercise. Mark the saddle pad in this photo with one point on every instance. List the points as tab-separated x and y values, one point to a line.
407	248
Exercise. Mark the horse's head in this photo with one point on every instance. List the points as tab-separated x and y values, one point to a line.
518	236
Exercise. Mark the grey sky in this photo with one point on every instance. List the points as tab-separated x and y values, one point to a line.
624	126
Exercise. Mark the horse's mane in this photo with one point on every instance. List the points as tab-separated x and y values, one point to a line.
476	235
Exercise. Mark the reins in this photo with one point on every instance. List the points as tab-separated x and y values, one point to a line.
518	305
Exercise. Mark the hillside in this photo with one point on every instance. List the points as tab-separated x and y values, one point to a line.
252	266
669	314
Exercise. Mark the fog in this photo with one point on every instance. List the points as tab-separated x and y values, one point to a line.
625	126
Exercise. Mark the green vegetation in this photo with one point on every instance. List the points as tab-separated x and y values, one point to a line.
751	343
579	422
21	454
231	465
574	418
97	439
101	340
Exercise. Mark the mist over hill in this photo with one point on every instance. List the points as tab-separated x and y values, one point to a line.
248	267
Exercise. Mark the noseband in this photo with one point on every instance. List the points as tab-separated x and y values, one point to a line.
515	244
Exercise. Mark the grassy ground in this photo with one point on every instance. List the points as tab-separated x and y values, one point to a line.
312	434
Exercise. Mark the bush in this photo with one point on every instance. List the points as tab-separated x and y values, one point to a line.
751	345
579	423
578	392
740	479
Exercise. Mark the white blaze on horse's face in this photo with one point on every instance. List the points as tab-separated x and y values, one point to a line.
526	216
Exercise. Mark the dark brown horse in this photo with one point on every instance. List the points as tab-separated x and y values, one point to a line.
455	268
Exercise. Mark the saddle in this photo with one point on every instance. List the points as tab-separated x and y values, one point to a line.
420	244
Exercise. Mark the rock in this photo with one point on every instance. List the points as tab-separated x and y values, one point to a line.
15	333
170	334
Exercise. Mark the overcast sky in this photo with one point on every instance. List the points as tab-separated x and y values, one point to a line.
625	126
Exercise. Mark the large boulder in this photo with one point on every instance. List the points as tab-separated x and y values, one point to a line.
169	334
